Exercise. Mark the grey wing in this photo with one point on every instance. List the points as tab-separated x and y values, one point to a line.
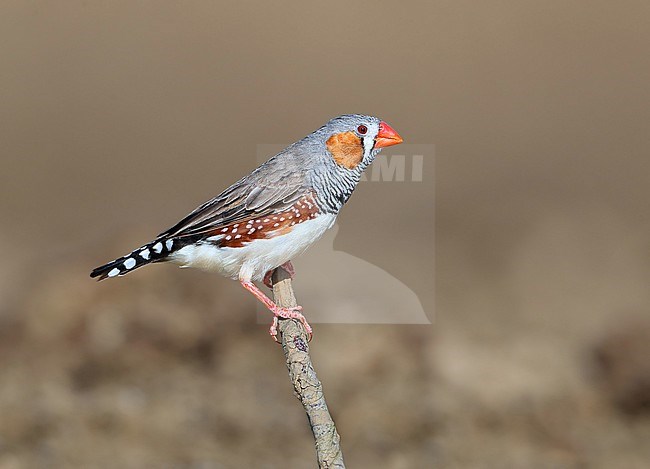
259	194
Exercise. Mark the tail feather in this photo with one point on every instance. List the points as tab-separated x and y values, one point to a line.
155	251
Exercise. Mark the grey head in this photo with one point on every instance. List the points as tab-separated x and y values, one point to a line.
336	155
350	142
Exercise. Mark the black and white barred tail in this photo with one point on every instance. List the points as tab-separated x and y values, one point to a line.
155	251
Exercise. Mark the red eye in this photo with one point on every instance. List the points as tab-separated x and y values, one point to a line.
362	129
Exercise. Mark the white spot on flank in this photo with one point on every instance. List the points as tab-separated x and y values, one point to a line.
238	236
248	227
224	230
276	225
281	218
266	220
275	218
235	225
228	238
169	243
157	247
234	230
259	227
145	254
114	272
129	263
251	231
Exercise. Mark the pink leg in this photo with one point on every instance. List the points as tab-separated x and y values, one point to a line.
288	268
278	312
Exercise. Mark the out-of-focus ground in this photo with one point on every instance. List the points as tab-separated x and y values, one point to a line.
117	119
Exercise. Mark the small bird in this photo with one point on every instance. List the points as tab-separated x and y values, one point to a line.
272	215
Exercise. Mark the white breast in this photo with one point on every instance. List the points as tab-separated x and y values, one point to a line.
254	259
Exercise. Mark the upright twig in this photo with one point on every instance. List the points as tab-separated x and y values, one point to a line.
308	388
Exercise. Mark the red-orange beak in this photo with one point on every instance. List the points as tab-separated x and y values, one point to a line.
387	136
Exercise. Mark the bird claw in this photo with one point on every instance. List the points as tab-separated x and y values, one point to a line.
288	313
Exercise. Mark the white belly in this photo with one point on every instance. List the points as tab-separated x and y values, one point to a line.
254	259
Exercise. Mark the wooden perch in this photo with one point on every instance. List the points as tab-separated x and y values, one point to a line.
308	388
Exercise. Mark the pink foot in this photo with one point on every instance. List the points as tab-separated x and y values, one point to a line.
288	313
278	312
287	267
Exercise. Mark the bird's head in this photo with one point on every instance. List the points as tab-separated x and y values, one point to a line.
354	139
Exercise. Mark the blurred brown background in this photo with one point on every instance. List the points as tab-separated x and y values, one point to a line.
117	118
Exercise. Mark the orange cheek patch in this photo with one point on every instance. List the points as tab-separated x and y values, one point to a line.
346	149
